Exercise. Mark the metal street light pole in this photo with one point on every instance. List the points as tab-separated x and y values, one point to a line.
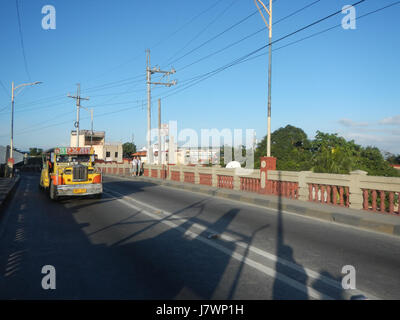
269	26
13	94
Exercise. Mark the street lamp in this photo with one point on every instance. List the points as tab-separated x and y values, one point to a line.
13	94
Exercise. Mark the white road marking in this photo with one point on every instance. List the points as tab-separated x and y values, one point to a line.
266	270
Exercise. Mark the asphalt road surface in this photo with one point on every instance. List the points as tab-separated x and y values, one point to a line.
144	241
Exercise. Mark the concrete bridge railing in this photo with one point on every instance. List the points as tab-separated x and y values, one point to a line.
355	190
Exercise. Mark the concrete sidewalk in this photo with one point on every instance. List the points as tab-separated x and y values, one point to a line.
377	222
7	186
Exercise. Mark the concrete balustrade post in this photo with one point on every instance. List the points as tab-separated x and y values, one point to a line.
236	180
303	186
181	174
214	177
356	193
196	175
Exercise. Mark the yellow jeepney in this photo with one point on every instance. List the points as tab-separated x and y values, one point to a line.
69	171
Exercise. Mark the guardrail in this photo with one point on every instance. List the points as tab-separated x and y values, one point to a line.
355	190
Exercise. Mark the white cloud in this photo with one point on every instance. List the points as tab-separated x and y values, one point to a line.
384	142
351	123
391	120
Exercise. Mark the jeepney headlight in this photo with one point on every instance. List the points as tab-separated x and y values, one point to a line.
91	171
67	171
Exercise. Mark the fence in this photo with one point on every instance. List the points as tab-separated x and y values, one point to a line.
355	190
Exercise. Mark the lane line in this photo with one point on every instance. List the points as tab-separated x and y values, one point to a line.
262	268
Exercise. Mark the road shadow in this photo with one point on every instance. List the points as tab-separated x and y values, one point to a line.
285	254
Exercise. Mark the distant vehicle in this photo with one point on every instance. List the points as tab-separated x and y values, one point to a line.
69	171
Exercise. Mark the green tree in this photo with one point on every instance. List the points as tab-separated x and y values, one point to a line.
392	158
290	146
127	149
35	152
327	153
333	154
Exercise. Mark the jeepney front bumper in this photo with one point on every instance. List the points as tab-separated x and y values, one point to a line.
79	189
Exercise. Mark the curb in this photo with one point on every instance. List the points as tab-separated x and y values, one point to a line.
10	191
363	219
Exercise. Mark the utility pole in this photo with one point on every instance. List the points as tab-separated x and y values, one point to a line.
149	72
269	26
78	99
12	120
159	132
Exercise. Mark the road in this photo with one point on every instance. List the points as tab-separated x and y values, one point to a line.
144	241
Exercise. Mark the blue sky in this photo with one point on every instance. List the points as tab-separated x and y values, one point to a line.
343	81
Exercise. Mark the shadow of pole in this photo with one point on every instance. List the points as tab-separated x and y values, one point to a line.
284	251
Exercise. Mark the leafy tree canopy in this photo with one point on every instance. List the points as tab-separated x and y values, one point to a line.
127	149
290	146
35	151
327	153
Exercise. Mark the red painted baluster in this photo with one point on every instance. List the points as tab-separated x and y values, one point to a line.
334	194
391	202
323	194
310	192
341	192
347	197
328	194
365	198
316	189
398	203
292	191
373	200
382	196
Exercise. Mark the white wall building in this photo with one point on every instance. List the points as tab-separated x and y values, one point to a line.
104	151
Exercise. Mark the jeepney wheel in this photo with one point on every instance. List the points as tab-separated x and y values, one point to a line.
52	192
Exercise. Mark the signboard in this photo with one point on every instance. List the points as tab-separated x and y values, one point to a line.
72	150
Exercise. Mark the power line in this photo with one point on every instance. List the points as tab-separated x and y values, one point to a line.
22	41
5	90
167	37
202	30
207	75
217	35
250	57
248	36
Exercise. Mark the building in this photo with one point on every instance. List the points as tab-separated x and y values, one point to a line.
97	140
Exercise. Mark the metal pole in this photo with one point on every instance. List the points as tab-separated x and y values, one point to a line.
269	82
148	72
91	136
77	113
159	131
269	26
12	120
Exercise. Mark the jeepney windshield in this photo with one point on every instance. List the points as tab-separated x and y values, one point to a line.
79	158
